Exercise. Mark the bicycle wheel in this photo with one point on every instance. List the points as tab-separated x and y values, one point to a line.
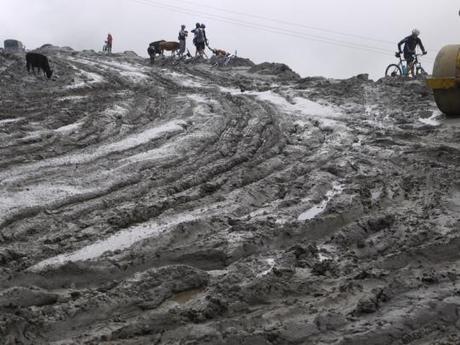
420	72
393	71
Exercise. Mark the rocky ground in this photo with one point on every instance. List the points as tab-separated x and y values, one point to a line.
184	203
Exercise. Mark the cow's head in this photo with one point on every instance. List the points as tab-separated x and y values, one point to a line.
49	73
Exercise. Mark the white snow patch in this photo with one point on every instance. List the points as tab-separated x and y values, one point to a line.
164	152
271	263
135	77
300	106
3	122
86	78
72	98
69	128
36	195
198	98
318	209
142	138
115	110
185	80
124	144
125	66
432	120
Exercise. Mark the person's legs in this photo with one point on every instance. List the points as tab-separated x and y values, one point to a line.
410	63
181	47
200	47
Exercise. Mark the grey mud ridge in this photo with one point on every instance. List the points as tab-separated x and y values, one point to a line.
184	204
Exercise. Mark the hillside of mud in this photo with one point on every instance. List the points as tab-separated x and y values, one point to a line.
188	204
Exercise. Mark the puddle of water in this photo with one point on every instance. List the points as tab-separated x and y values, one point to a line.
185	296
318	209
126	238
122	240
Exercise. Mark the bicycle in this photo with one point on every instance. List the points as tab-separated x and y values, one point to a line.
402	69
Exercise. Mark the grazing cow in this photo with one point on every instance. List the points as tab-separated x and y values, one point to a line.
169	46
39	61
154	49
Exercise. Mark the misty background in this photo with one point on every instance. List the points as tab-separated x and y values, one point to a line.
331	38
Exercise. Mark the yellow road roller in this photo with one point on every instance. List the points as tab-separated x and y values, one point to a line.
445	80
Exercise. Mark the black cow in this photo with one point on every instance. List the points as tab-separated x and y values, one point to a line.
39	61
154	49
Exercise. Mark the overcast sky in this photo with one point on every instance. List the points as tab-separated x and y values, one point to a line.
332	38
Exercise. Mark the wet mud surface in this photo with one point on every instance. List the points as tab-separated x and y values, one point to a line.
182	203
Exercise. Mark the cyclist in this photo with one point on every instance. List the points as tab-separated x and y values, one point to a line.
410	45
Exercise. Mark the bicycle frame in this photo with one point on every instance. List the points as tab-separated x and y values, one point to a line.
404	66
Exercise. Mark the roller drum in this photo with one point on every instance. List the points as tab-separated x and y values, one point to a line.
446	77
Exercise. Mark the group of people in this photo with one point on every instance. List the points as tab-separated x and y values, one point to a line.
200	41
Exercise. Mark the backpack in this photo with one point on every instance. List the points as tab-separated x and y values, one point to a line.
199	36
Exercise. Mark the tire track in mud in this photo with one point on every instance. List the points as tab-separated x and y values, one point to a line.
193	232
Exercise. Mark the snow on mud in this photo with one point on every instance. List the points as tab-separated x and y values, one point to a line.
183	203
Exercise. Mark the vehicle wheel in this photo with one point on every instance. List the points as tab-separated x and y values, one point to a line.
393	71
448	101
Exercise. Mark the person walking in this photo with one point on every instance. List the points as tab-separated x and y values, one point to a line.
182	40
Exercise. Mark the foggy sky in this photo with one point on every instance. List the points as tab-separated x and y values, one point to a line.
84	24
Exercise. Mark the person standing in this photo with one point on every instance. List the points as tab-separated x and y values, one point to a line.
206	42
182	40
203	28
109	43
199	40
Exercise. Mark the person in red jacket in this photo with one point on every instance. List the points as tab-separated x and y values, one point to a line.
108	43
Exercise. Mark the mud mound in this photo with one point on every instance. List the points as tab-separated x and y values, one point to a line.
182	203
283	71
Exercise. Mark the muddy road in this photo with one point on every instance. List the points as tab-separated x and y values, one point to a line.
183	203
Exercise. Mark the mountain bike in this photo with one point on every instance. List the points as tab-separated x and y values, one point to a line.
402	69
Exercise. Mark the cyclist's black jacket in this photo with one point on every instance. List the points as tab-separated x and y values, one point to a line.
410	44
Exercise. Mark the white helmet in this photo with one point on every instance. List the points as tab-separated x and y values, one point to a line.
416	32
